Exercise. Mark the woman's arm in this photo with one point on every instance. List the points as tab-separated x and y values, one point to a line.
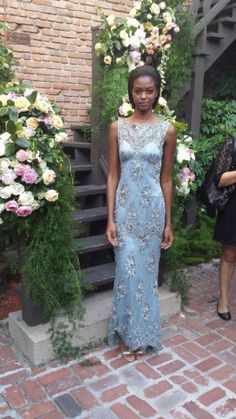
227	179
112	180
166	182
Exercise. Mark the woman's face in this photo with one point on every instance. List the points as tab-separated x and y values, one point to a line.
144	93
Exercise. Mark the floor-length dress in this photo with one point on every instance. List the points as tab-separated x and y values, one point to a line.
139	219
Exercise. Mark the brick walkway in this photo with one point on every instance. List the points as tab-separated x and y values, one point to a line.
194	376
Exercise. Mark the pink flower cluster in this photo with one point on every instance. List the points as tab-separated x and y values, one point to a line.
27	174
21	211
186	175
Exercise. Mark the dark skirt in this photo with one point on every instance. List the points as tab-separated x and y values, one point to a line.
225	227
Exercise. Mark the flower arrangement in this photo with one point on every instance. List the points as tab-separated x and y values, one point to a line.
185	162
30	153
139	38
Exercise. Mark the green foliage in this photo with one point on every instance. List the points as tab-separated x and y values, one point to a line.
224	87
178	283
182	53
6	61
52	269
111	90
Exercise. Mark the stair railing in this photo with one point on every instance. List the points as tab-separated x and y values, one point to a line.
208	13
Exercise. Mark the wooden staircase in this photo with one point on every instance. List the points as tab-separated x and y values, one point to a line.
215	31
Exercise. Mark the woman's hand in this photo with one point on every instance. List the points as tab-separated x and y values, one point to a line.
111	233
168	238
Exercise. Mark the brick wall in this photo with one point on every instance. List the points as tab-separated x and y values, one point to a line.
56	56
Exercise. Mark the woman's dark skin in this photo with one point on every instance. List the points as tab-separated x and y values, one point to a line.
144	94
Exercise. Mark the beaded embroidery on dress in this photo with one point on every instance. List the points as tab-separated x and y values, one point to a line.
139	219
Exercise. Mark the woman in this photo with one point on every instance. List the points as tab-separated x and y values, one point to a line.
225	228
139	194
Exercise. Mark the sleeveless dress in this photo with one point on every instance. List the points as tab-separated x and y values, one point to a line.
139	219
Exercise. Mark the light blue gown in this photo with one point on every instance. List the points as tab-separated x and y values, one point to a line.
139	219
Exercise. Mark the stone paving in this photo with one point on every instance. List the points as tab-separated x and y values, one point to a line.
194	375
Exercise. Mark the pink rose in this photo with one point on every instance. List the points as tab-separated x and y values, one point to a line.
29	175
11	206
192	177
19	169
176	28
21	155
186	171
168	38
135	56
24	211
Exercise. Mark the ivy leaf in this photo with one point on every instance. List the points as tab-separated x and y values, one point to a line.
11	127
13	113
32	97
10	149
3	111
22	142
10	102
48	158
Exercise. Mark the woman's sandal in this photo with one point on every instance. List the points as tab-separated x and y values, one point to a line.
128	356
139	355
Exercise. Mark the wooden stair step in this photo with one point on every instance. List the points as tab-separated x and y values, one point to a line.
81	167
225	20
91	244
98	275
92	214
77	144
86	190
215	35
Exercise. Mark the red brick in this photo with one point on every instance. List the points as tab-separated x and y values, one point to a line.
171	367
231	385
196	377
159	359
142	407
33	390
157	389
223	373
208	339
220	346
83	372
147	371
118	363
3	407
6	354
13	378
63	384
54	415
110	380
52	377
112	353
208	364
38	410
196	411
14	397
175	340
196	325
85	398
177	379
229	333
98	367
123	411
196	350
114	393
179	415
186	355
189	387
212	396
225	409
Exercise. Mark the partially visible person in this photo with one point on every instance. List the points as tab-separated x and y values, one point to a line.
225	227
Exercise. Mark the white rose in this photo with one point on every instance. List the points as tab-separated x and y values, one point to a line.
57	122
32	155
4	164
61	137
149	16
22	104
1	208
184	153
41	195
167	17
26	198
162	5
155	9
4	99
16	188
188	139
133	22
111	20
8	176
107	59
166	47
126	42
49	176
43	105
137	5
183	189
140	33
51	195
162	102
35	205
2	148
14	163
5	136
6	192
123	34
133	12
98	46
